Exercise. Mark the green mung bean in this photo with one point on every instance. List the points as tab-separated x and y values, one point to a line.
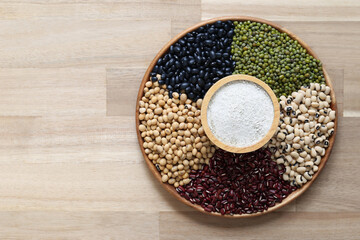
274	57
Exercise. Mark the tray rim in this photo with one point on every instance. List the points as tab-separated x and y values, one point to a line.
169	187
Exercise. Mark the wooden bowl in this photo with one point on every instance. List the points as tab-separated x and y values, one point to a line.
213	90
170	188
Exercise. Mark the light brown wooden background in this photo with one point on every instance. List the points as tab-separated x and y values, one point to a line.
70	165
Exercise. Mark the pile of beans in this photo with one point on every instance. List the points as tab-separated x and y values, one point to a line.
174	139
196	61
273	57
306	123
238	183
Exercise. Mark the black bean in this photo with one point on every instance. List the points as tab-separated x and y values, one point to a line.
208	85
212	54
201	82
195	71
172	81
191	95
193	79
184	85
197	60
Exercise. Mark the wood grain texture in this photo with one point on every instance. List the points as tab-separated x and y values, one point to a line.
79	225
78	43
174	226
69	160
67	91
296	10
121	102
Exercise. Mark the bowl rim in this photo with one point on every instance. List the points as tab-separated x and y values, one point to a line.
211	92
291	197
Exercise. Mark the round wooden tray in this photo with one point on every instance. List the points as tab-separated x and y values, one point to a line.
211	92
171	188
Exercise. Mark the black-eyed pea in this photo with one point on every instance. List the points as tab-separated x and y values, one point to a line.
281	136
301	118
309	164
287	170
330	125
303	108
280	161
277	154
318	149
315	104
303	154
307	175
330	132
315	168
289	128
317	160
298	180
286	177
322	96
323	152
294	155
301	170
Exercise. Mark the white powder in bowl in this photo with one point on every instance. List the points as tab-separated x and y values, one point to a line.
240	113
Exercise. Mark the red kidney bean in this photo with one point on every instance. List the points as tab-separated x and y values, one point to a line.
237	183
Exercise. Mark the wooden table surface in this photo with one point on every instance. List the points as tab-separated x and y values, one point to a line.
70	164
